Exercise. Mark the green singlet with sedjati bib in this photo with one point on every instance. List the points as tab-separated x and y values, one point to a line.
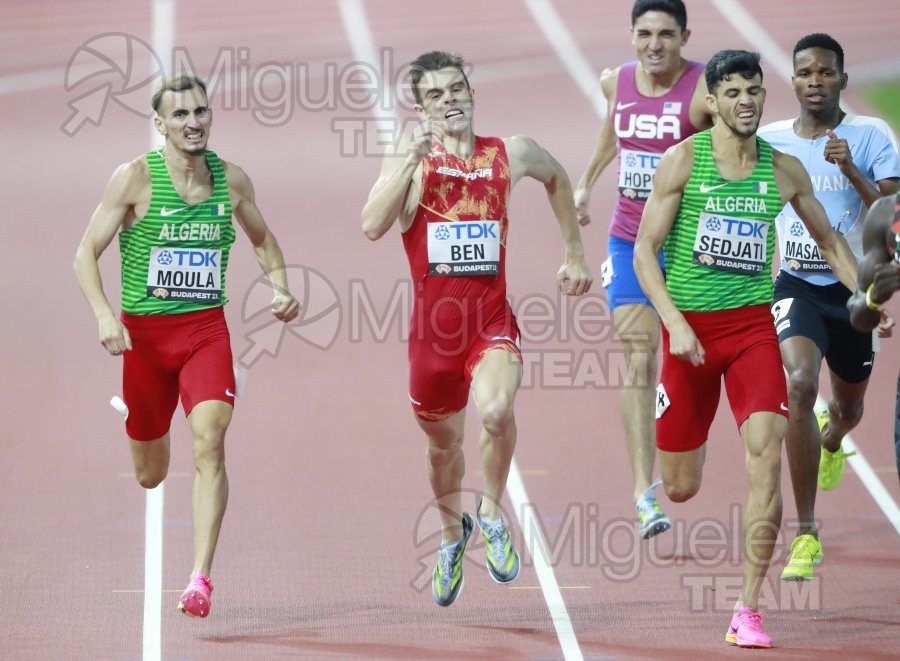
174	259
719	250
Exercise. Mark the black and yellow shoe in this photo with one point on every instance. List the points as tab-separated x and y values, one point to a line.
502	558
447	582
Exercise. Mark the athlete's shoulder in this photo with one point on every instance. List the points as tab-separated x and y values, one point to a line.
680	156
789	165
516	142
871	124
139	168
520	147
232	170
889	205
238	180
131	179
693	68
866	120
609	81
766	142
782	128
878	231
610	74
687	145
699	140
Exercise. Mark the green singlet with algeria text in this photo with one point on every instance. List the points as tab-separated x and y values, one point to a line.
174	259
719	250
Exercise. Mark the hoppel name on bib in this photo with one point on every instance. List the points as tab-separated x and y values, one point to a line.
464	248
735	245
636	171
185	274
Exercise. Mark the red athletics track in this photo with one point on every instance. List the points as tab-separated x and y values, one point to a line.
318	554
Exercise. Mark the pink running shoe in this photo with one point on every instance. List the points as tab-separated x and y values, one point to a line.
746	629
194	600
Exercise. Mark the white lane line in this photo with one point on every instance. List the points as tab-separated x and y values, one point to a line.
363	44
359	34
742	21
153	542
578	66
537	548
872	483
162	43
867	476
153	551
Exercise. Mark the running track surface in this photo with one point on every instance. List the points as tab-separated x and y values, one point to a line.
330	508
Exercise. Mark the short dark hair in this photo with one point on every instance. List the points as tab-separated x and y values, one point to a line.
433	61
674	8
725	63
176	84
823	41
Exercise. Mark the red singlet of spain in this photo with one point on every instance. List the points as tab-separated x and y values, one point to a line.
456	247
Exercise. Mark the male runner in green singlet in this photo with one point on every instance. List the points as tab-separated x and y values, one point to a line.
713	205
172	209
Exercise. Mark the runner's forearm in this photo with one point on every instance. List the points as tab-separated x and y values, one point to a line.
559	192
385	203
88	275
271	261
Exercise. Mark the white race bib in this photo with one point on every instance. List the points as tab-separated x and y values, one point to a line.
734	245
781	314
636	170
799	250
185	274
662	401
464	248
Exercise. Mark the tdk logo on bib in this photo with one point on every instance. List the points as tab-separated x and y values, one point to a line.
207	258
466	231
643	161
735	227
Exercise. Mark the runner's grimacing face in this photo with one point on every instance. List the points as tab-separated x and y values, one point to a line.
658	39
739	103
186	119
447	98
